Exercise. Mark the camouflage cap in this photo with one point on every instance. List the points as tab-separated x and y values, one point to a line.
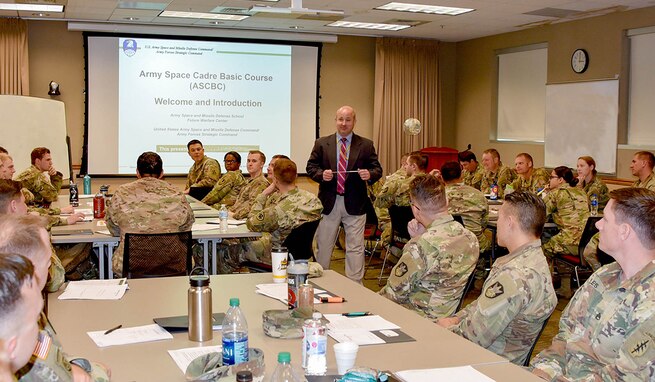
209	367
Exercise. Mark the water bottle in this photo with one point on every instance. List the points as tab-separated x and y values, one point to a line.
283	372
200	308
244	376
494	191
594	205
235	335
222	216
74	195
99	206
87	184
297	273
314	346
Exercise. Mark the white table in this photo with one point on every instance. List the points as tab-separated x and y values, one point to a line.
150	298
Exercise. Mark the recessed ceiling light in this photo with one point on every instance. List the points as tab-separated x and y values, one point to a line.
202	15
295	27
31	7
421	8
40	14
215	22
131	18
141	5
377	26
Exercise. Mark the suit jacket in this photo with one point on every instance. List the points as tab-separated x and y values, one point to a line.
362	156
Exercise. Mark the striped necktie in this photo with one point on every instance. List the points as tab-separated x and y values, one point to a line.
343	164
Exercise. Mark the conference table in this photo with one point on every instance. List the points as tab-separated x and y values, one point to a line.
146	299
97	234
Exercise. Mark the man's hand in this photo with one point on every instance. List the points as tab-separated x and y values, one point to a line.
328	175
447	322
74	218
364	174
435	172
79	375
415	228
271	188
67	210
52	171
186	191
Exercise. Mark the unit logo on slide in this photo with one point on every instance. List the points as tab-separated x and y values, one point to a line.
129	47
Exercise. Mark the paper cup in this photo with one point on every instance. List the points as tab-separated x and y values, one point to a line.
346	355
279	265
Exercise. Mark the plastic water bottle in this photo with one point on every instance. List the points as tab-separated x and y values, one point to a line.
283	372
222	216
594	205
87	184
494	191
235	335
314	346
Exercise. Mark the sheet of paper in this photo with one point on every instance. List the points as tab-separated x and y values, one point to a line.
204	227
93	290
462	373
360	337
100	282
339	322
280	291
134	335
230	222
104	232
183	357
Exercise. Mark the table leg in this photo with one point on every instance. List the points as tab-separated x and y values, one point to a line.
215	243
101	258
110	257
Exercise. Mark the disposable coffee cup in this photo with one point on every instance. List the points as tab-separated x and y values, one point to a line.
279	264
346	354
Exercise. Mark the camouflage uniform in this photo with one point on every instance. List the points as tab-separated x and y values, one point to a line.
502	177
606	332
50	363
597	187
569	209
384	219
56	273
474	179
276	220
249	192
649	183
537	181
472	206
204	174
226	190
147	205
394	193
433	269
45	191
517	298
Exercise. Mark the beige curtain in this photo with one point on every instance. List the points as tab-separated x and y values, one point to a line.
406	85
14	64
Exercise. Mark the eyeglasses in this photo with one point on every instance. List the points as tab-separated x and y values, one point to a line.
415	206
229	161
554	177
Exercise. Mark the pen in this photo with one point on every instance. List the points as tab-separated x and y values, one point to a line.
356	314
112	329
333	299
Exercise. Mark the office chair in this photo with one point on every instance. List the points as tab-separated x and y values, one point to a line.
527	358
148	255
400	217
467	288
577	262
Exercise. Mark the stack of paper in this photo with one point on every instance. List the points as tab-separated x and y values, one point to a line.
462	373
134	335
112	289
358	329
183	357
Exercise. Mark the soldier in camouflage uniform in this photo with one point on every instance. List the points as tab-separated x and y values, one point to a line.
12	203
20	303
397	192
436	263
205	171
254	186
147	205
642	167
606	332
228	187
292	208
518	295
384	219
45	191
466	202
495	172
473	172
569	208
529	178
591	183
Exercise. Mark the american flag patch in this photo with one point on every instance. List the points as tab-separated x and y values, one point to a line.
43	345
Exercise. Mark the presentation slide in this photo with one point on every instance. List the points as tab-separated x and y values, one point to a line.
148	94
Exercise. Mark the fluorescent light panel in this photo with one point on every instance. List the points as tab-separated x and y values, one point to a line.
421	8
203	15
376	26
31	7
141	5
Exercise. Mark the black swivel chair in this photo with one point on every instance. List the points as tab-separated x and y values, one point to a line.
467	288
400	217
526	363
578	262
157	254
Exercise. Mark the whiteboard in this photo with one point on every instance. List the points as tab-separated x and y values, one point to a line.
582	119
30	122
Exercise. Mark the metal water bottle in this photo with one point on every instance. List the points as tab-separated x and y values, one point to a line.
200	308
87	184
74	195
99	206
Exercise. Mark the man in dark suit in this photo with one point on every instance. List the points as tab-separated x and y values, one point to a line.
342	163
